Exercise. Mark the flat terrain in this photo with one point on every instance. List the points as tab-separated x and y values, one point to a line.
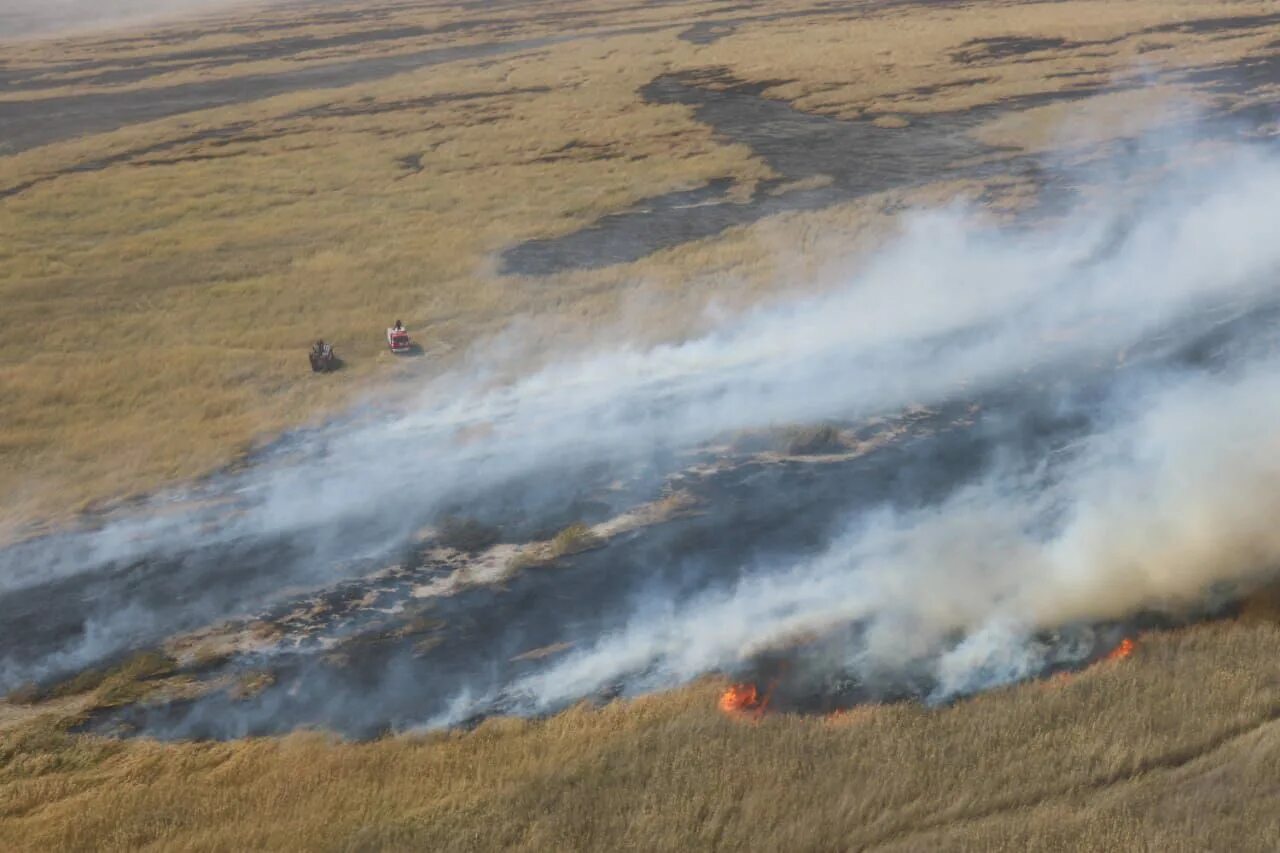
185	207
1176	748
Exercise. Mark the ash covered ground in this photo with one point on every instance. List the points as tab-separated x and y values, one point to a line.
989	455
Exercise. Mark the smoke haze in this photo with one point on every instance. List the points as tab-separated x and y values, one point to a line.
1148	514
35	18
948	308
1145	324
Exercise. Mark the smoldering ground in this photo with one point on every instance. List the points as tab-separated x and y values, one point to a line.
1149	513
1062	472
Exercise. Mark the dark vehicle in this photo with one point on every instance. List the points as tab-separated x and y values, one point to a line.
323	359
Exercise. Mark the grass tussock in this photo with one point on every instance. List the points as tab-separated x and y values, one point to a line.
574	539
1120	758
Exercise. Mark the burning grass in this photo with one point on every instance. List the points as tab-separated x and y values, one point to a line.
741	699
1122	759
1123	650
748	700
157	310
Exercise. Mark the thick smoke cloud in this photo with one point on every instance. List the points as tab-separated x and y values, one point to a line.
1181	495
1165	495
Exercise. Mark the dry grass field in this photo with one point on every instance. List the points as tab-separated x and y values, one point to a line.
183	209
161	279
1174	748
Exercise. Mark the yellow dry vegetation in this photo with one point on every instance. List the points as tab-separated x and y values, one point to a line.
959	57
159	284
157	319
156	309
350	30
1175	748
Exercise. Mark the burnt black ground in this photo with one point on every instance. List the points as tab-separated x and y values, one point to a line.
754	514
788	509
857	158
363	670
31	123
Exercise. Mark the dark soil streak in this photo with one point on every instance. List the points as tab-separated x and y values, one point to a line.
176	34
32	123
370	106
1202	26
233	134
217	137
133	69
859	157
716	28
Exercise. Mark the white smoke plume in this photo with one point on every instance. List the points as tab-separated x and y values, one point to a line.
1149	515
1175	492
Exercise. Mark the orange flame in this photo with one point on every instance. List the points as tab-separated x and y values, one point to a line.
1123	650
741	699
